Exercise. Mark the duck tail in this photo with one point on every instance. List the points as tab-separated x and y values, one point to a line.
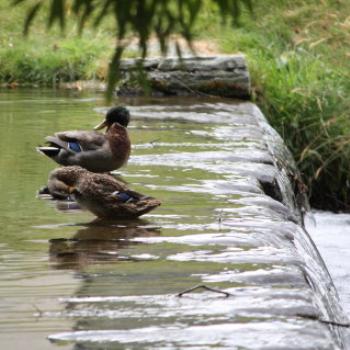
147	204
48	151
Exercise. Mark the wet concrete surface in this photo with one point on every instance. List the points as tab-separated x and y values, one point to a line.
331	233
273	301
72	283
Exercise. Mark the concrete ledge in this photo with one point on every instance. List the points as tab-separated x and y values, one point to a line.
245	236
264	174
220	76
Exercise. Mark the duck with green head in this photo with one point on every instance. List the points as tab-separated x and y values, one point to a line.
92	150
101	194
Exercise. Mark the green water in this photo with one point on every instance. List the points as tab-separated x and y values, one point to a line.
47	253
69	283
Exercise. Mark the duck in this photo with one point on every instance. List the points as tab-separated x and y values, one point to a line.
95	151
101	194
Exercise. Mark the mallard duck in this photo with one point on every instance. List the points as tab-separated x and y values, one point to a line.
102	194
93	150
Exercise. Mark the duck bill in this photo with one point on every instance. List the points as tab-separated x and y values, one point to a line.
101	125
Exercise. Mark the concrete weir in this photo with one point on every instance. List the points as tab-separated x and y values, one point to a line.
281	295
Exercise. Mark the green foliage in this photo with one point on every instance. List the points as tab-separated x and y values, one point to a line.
306	102
139	18
48	58
48	65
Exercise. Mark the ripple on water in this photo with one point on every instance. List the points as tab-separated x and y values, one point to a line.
296	335
90	283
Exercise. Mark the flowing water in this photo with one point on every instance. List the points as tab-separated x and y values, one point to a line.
331	233
69	283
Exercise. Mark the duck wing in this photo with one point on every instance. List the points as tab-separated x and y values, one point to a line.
99	186
106	197
77	141
132	204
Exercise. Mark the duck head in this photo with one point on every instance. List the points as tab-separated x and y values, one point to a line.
115	115
62	181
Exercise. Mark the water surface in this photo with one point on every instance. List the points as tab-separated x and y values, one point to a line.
331	233
69	283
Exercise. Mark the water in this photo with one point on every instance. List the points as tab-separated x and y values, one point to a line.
68	283
331	233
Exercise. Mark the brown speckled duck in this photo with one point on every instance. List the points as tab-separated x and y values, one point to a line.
93	150
101	194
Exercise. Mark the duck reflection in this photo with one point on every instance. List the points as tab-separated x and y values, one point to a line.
98	242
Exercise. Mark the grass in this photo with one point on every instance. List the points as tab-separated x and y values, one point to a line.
299	58
49	57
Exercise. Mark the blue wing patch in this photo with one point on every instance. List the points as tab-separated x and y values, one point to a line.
74	146
122	196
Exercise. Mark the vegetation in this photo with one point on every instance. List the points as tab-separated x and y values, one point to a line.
47	58
298	54
133	18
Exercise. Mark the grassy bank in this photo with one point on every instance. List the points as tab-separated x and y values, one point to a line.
299	58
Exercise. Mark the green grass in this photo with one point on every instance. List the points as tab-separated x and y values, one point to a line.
299	58
49	57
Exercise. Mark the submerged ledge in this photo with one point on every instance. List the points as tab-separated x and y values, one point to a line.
280	290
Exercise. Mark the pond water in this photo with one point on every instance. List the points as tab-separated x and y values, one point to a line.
68	283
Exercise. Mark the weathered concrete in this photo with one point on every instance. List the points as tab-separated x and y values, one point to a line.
220	76
253	247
